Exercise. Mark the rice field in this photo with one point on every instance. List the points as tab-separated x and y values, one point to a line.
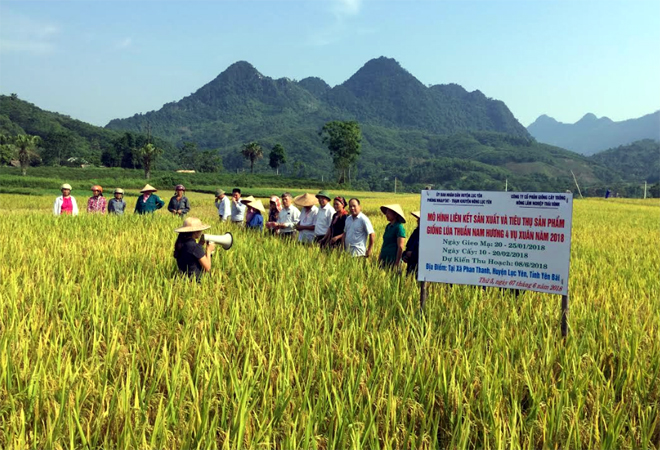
287	347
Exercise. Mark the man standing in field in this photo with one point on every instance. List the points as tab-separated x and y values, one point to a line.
223	205
287	219
357	231
237	208
324	216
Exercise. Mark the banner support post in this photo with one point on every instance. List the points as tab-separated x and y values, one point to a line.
422	295
564	315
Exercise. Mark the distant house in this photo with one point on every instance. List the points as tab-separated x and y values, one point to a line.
185	171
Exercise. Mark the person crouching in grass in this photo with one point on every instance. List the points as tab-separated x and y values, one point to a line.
191	258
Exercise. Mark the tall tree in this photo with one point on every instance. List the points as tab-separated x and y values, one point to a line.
252	151
7	149
57	146
148	154
26	146
343	140
189	156
277	157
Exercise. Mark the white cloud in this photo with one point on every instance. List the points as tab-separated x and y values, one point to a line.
125	43
20	33
347	7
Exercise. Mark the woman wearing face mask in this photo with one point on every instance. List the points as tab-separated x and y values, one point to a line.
97	202
179	204
117	205
65	204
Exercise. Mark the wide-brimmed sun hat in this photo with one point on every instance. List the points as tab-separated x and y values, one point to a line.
396	209
306	200
65	186
416	214
119	191
325	194
148	188
258	206
192	224
247	199
219	192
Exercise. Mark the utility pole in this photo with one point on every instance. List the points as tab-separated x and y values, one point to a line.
644	189
506	185
395	185
576	184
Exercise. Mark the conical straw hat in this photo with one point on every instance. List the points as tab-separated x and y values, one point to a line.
306	200
416	214
192	224
396	208
149	188
248	199
258	206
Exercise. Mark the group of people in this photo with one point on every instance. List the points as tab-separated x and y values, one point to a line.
325	221
148	202
321	219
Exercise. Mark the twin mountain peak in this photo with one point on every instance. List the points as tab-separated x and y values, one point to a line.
381	93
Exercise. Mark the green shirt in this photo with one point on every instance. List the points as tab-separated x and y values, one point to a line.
393	231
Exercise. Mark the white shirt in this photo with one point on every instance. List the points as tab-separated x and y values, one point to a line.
224	208
307	218
357	231
324	220
288	217
57	206
237	211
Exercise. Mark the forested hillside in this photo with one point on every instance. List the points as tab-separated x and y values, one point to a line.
637	162
67	141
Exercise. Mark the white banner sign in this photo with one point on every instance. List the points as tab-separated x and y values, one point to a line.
504	239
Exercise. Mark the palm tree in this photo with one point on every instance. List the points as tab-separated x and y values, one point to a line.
253	152
148	154
26	145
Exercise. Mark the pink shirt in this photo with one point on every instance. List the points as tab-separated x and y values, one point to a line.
67	205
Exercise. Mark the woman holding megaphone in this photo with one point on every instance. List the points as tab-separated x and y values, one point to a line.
191	257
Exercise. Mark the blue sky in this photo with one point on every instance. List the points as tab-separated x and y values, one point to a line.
99	60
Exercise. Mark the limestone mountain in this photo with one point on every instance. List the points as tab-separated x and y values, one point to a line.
591	134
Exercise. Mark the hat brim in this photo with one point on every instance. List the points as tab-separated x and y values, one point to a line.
416	214
192	229
385	208
322	196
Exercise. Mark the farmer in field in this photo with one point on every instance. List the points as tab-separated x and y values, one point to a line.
324	216
117	205
149	202
357	231
256	220
394	237
237	208
248	212
273	212
223	205
287	219
191	257
411	254
179	204
97	202
65	204
335	232
308	216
